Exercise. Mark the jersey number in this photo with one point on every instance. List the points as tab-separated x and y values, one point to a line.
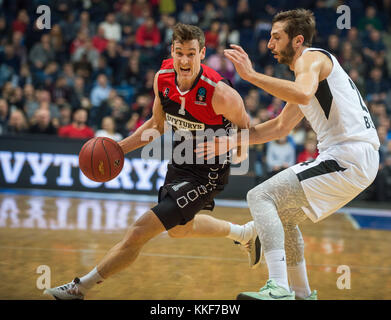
367	119
182	109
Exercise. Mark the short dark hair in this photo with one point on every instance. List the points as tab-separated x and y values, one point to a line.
299	21
186	32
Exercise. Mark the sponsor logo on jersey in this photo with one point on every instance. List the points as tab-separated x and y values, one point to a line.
201	97
184	124
166	91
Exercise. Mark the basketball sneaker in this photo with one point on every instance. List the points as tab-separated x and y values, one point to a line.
312	296
253	246
69	291
271	291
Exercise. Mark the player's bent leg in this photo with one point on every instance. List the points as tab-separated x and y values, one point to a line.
127	250
281	192
117	258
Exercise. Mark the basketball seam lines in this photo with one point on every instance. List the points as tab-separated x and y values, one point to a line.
108	159
92	161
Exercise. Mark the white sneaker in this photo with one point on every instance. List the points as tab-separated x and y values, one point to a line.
253	245
69	291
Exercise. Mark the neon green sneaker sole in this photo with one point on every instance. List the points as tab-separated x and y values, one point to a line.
271	291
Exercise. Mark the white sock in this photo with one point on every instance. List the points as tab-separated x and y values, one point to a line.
242	233
90	280
276	264
299	280
235	232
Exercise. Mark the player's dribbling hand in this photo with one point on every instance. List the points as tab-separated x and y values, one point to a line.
219	145
241	61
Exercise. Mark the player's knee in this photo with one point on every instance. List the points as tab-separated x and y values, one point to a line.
255	195
179	232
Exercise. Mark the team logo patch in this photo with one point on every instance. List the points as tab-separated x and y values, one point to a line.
201	97
166	91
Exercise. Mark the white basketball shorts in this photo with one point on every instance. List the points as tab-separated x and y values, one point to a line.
336	177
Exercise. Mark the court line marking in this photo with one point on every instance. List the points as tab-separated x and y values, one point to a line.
353	221
149	198
165	255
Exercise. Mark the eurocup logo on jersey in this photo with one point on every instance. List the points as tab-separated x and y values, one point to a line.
166	91
201	97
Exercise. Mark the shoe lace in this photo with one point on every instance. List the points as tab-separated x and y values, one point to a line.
269	285
72	287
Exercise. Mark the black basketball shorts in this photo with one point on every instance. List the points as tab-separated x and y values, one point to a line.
180	201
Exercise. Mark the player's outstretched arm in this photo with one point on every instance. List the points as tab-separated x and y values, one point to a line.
155	124
270	130
300	91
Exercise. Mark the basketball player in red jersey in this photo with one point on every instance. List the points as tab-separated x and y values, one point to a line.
193	97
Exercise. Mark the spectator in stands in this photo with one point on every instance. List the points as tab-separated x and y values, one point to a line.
111	28
84	24
125	17
100	91
3	116
42	53
78	129
310	151
10	59
89	51
243	16
370	21
16	99
209	14
334	45
263	56
374	47
61	92
353	37
108	130
187	15
69	73
65	115
78	42
42	123
148	34
99	41
382	133
376	86
58	44
228	36
280	154
212	38
78	92
275	107
21	22
222	64
113	60
17	123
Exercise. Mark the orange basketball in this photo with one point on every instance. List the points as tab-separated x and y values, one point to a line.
101	159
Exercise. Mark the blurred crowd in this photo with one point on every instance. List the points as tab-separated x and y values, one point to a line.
91	73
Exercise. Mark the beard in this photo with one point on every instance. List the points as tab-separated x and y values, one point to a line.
286	55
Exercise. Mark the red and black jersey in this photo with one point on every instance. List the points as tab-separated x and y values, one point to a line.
192	111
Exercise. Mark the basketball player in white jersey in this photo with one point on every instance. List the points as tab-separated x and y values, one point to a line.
347	141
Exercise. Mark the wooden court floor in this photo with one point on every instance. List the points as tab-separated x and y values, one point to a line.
70	236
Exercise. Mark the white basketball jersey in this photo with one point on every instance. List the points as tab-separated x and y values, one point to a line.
337	113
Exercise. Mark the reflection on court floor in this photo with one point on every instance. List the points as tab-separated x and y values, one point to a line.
70	235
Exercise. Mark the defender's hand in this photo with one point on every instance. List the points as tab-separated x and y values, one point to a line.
241	61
